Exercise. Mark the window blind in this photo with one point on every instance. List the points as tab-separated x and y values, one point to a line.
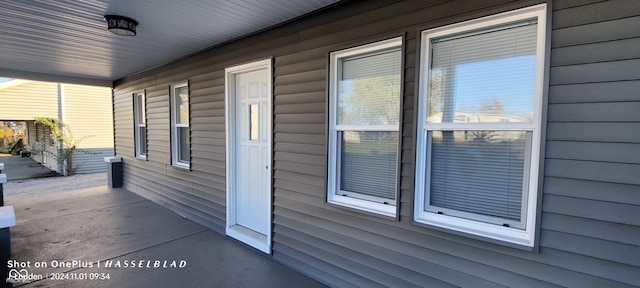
369	94
369	89
481	76
142	140
371	65
368	163
482	173
484	77
183	144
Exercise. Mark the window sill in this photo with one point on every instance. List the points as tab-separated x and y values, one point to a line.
364	205
182	166
514	237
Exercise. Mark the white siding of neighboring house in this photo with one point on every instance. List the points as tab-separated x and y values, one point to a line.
87	111
24	100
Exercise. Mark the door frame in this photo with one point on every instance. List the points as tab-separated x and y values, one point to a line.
249	237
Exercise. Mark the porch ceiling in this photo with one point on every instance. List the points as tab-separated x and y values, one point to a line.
67	40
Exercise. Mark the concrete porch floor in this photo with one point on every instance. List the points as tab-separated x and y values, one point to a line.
103	224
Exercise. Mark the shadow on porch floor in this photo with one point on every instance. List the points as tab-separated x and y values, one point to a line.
92	228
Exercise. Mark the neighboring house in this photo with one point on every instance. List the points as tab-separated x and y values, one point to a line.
11	133
336	142
86	110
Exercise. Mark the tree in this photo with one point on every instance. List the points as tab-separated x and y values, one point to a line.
370	101
492	108
436	91
66	145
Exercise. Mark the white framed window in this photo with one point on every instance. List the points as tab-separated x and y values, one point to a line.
479	125
180	136
364	124
140	124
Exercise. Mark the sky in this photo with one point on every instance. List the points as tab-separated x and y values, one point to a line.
509	80
4	79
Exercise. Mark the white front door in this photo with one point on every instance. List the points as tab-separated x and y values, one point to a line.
249	153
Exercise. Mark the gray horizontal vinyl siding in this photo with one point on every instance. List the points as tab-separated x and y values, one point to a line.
197	194
589	226
90	160
591	188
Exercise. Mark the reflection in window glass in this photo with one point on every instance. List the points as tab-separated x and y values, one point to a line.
182	104
140	125
479	136
494	82
364	140
180	136
368	90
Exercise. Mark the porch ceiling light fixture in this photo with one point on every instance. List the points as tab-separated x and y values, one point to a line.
121	25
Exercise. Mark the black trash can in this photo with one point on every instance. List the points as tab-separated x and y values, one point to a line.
114	171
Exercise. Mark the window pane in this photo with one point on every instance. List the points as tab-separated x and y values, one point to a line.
140	109
484	76
183	144
181	99
253	122
369	89
142	140
478	172
368	163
